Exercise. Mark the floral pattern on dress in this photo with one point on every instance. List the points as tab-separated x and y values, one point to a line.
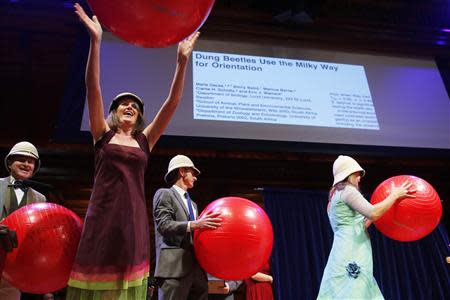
353	269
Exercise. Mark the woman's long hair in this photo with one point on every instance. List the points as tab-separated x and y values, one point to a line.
339	187
114	124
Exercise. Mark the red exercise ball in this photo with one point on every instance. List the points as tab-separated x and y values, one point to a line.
241	245
151	23
409	219
48	236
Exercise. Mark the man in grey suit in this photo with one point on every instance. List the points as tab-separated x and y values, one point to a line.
177	271
22	162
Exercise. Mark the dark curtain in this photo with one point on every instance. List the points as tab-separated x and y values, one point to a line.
303	239
71	108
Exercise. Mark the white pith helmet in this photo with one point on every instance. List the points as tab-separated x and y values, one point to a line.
179	161
25	149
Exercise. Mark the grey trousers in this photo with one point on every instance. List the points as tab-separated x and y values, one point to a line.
193	286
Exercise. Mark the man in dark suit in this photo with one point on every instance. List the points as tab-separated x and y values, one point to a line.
22	162
175	215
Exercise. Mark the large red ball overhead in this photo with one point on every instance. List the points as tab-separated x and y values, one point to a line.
409	219
152	23
241	245
48	236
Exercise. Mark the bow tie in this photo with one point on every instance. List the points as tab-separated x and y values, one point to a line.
18	184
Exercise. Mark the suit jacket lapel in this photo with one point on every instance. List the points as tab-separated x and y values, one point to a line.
30	197
5	194
180	202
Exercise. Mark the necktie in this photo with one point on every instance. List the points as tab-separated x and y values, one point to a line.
19	184
189	204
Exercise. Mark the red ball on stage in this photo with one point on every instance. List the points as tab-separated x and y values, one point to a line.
151	23
241	245
409	219
48	236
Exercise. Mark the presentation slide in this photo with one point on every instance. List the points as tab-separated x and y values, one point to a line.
238	90
258	89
